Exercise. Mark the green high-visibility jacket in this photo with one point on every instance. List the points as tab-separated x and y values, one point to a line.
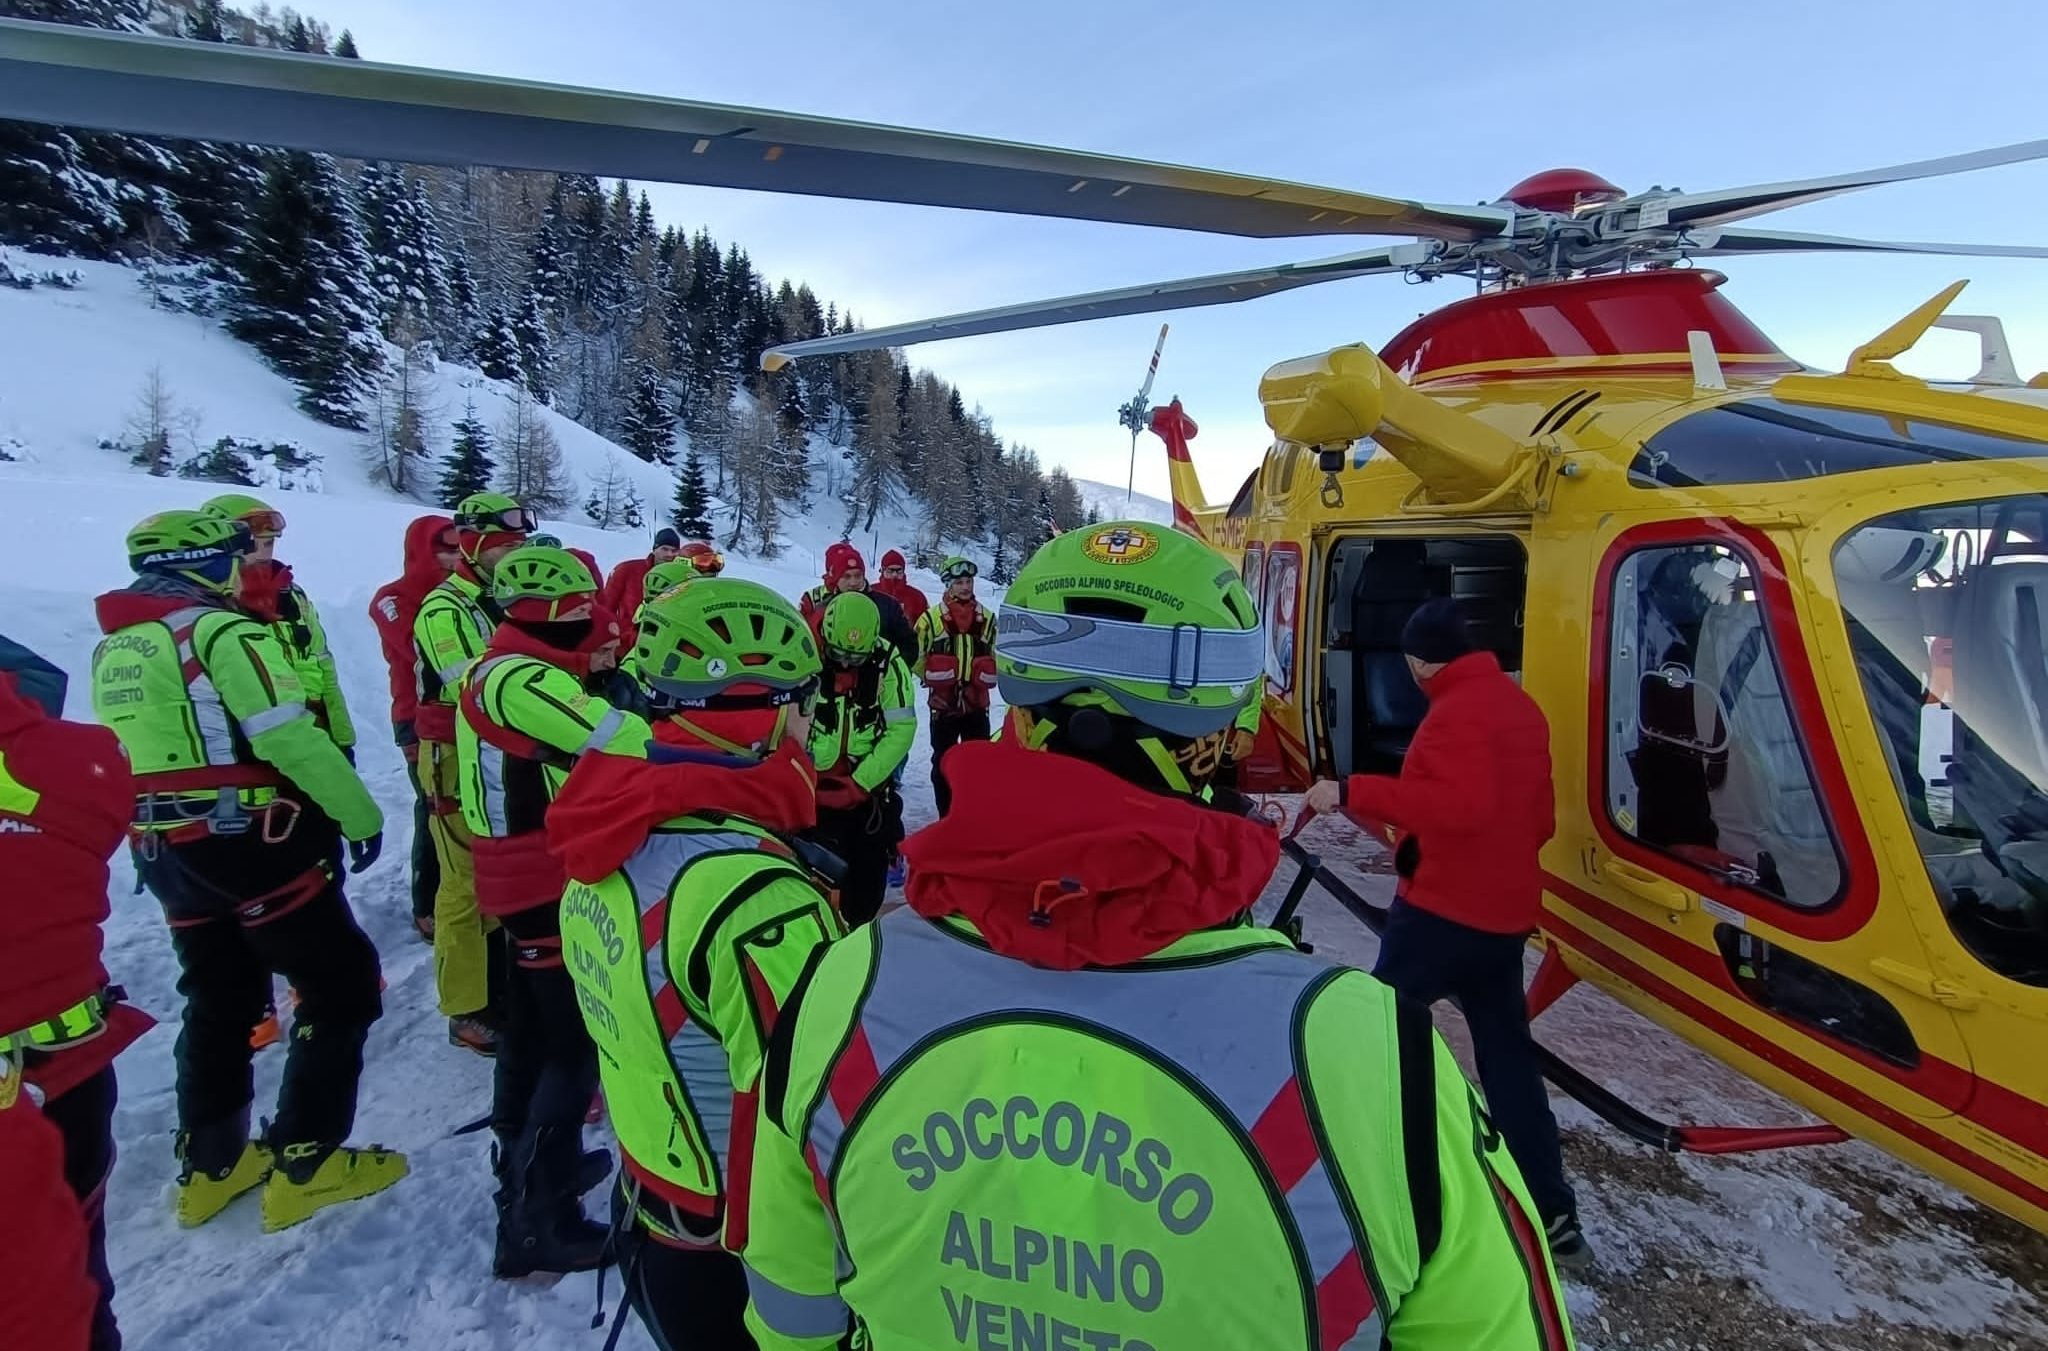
299	629
507	781
450	631
681	960
209	688
866	731
1228	1144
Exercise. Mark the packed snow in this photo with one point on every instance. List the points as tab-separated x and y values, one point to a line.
1842	1247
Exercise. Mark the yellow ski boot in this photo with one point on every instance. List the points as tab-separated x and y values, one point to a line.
203	1195
311	1177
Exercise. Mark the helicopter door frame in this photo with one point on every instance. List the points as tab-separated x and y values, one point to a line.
1934	1066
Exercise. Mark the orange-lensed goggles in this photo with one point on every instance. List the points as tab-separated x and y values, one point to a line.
265	524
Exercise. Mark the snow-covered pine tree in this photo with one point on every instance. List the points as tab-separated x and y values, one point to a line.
298	35
496	348
206	21
408	267
301	296
50	201
709	422
530	465
649	428
692	515
458	322
468	467
536	345
875	445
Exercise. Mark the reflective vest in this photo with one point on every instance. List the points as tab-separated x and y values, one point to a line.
450	632
186	748
681	959
199	762
865	721
524	722
963	681
304	636
1226	1145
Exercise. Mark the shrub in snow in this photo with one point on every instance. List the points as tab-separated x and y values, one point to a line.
21	278
281	465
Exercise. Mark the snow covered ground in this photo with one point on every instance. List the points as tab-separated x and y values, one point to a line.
1830	1248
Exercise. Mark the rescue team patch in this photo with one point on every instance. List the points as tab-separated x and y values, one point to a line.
1120	545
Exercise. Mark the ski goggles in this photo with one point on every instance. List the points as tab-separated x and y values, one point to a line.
516	520
265	524
709	562
962	567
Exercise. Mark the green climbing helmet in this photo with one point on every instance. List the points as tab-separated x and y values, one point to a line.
722	643
956	567
851	628
539	586
667	577
494	514
191	545
264	521
1150	622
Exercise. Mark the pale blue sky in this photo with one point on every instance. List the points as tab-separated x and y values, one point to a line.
1443	102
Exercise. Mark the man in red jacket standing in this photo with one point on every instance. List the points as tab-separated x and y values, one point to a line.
65	798
896	586
430	555
621	592
1468	816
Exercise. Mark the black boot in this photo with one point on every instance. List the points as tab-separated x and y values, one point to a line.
541	1225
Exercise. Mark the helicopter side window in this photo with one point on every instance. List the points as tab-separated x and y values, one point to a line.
1947	613
1704	757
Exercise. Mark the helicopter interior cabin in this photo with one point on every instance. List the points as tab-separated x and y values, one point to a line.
1375	583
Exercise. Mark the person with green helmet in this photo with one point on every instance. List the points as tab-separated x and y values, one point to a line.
688	920
269	593
242	800
1071	1096
450	632
526	712
956	645
862	734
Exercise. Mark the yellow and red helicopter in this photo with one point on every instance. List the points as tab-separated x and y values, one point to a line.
1790	627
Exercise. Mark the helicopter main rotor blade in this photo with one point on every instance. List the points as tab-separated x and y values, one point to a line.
1739	240
1733	204
211	91
1221	288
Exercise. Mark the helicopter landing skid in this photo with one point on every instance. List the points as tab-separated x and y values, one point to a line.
1553	978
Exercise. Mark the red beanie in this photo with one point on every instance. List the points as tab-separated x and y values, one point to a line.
893	559
841	557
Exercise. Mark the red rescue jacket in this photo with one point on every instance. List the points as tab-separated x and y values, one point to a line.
1062	864
66	796
1475	792
904	594
393	609
46	1297
621	595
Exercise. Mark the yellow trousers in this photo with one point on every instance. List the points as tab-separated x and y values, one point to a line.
461	959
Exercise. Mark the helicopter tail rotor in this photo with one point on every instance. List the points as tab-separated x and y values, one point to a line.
1136	414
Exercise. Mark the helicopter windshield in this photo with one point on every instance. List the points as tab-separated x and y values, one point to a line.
1947	611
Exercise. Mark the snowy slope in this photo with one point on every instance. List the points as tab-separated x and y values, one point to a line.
1111	503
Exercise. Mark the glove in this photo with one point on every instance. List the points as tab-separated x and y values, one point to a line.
362	853
839	794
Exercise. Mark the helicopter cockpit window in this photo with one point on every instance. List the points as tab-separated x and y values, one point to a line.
1769	441
1947	613
1704	757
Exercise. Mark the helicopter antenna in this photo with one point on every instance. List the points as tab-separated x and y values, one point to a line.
1136	414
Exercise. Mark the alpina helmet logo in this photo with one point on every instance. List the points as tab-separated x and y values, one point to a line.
1120	545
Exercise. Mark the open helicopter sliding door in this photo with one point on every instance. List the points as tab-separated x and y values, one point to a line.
1721	878
1368	704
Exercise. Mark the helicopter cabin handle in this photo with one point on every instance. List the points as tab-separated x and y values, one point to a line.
1648	886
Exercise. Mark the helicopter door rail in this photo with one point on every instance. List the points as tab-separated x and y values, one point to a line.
1631	1121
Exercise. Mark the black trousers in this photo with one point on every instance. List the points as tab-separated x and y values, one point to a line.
863	837
84	1116
688	1299
949	731
1428	958
239	910
546	1068
426	864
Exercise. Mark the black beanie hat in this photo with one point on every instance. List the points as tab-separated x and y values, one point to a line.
666	536
1436	632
